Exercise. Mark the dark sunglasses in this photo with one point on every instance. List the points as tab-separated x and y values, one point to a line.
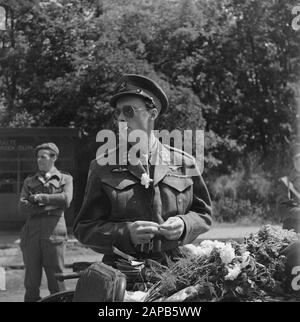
127	110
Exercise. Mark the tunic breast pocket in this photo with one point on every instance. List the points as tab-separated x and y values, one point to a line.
176	195
125	196
55	186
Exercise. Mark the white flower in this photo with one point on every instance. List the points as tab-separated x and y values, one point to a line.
205	248
227	254
145	180
219	245
233	272
204	252
48	176
212	244
200	250
191	249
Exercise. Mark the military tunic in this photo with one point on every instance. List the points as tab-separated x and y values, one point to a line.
115	197
44	234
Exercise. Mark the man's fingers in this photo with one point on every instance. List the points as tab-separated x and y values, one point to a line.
146	223
146	230
171	234
172	223
169	226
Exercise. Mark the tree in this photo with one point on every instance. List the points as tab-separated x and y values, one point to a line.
230	67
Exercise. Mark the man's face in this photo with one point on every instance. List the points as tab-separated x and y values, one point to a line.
141	116
297	163
45	160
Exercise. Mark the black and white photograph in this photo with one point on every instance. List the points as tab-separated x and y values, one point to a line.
150	153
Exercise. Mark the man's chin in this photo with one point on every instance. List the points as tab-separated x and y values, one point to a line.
124	132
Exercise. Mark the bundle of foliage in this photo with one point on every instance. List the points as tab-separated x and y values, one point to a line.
218	271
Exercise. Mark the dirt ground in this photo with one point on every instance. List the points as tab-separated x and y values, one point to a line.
11	259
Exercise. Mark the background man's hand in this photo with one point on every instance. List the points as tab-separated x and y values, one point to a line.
141	232
35	198
38	197
32	199
172	228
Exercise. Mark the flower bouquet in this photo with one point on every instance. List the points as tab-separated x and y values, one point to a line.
227	271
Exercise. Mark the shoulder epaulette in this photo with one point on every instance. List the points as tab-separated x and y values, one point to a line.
65	172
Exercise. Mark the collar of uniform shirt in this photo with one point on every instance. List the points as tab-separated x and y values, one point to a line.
150	157
52	173
150	151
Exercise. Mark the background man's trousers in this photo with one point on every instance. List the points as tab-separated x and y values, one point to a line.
42	253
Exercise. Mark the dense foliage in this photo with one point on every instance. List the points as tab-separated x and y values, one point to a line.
217	271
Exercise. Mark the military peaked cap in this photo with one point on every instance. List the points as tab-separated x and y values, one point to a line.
131	84
48	146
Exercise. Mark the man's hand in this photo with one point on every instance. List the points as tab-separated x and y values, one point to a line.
38	197
31	198
141	232
172	229
30	202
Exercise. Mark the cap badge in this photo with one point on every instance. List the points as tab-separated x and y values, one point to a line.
122	87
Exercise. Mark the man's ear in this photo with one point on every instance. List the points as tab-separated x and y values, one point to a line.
154	113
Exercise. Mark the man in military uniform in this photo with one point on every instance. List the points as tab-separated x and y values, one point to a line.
150	208
43	199
289	196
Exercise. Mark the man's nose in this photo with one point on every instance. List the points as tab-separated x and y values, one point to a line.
122	117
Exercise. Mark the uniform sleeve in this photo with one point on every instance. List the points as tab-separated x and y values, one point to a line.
92	226
198	219
61	200
25	206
